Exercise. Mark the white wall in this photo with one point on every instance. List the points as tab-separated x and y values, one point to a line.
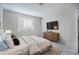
1	16
67	26
10	21
0	12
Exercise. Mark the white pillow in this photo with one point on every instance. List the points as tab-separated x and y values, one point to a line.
3	46
8	40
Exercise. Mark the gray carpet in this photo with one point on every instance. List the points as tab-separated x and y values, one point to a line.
52	51
65	49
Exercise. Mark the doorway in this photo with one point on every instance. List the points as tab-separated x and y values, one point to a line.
78	35
77	30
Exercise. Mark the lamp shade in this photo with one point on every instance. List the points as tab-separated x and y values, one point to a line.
8	31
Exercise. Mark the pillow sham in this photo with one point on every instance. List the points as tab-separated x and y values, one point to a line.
3	46
8	41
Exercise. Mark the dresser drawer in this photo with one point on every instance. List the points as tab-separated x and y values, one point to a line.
51	36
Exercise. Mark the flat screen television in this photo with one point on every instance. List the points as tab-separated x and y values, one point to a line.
52	25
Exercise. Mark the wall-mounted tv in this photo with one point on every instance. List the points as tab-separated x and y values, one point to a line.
52	25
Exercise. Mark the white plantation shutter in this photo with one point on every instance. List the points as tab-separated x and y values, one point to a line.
26	23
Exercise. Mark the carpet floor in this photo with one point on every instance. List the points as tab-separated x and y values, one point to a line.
52	51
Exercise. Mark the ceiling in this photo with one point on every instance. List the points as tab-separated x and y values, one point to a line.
35	9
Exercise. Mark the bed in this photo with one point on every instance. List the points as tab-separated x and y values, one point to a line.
16	50
29	45
36	44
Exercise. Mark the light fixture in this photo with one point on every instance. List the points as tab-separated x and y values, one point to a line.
41	4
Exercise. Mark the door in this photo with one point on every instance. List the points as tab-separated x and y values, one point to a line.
78	36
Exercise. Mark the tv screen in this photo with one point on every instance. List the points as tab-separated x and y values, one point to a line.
52	25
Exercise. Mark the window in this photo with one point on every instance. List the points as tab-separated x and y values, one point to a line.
26	24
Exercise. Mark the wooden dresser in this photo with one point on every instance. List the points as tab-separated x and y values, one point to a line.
52	36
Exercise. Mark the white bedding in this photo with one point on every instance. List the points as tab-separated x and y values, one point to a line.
28	45
43	43
33	48
36	44
17	49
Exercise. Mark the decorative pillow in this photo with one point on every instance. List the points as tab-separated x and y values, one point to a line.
3	46
16	41
8	41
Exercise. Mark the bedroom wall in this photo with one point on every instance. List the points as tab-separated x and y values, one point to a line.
0	12
10	20
1	16
67	26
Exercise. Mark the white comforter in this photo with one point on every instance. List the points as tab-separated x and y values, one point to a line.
28	45
32	45
43	43
36	44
